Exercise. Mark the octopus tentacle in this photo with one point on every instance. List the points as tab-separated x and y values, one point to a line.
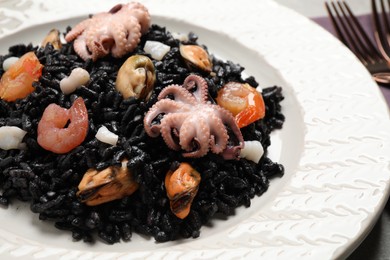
201	91
231	152
81	48
77	30
171	125
166	106
228	119
118	34
198	134
179	94
97	28
218	135
134	33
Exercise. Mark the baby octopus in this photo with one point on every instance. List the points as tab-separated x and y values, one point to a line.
117	31
190	122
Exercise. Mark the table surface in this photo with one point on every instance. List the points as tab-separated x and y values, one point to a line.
377	244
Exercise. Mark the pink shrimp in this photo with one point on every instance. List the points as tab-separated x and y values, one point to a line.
54	136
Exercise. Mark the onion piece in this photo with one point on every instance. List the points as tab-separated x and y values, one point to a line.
156	49
253	151
106	136
11	138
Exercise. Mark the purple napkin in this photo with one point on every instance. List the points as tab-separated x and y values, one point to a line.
367	24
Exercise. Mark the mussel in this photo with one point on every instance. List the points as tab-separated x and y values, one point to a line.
136	77
182	186
196	58
112	183
52	37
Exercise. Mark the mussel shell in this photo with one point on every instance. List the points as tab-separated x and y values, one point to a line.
136	77
53	37
112	183
182	186
196	58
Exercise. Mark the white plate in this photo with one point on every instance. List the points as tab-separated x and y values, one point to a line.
335	143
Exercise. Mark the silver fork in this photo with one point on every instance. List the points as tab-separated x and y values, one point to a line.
351	33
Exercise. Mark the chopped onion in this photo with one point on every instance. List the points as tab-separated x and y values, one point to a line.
106	136
156	49
11	138
9	62
253	151
76	79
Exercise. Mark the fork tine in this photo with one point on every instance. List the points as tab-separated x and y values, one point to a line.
384	16
335	25
369	45
354	37
379	33
351	33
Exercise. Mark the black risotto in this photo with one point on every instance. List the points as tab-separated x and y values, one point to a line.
49	181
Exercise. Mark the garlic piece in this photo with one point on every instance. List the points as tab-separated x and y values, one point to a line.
76	79
106	136
253	151
8	62
11	137
156	49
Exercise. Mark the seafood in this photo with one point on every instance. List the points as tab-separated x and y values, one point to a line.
252	151
190	122
53	37
156	49
106	136
196	57
182	186
53	132
136	77
11	137
16	82
117	32
77	78
8	62
244	101
110	184
87	191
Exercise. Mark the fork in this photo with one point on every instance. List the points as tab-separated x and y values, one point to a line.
351	33
381	33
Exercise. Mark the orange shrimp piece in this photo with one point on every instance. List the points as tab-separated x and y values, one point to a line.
243	101
54	135
17	81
